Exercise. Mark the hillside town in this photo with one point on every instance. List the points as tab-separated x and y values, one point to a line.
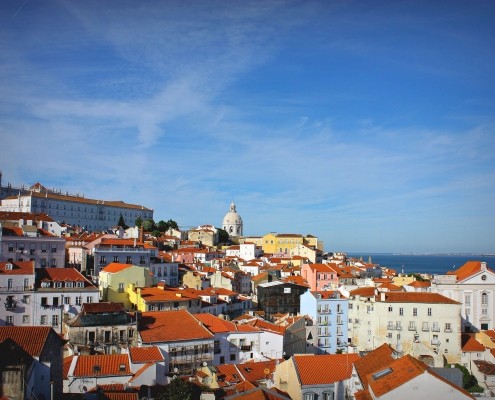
101	302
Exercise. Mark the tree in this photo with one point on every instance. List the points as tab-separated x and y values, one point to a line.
223	236
178	390
138	222
122	222
149	225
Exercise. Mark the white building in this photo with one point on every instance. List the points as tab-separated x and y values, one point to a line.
472	285
425	325
75	210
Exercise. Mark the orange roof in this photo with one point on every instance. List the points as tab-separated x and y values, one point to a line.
102	364
66	366
31	338
469	269
102	307
373	361
417	297
325	368
365	291
470	344
296	279
120	242
398	372
62	275
267	326
18	268
140	355
389	286
218	325
115	267
420	284
171	326
255	371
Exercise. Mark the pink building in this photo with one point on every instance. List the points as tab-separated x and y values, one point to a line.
320	276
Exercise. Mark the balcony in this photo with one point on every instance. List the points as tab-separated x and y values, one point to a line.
398	327
412	328
425	328
435	342
390	327
448	330
435	329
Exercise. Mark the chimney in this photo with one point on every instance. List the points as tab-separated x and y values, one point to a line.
483	265
382	296
141	234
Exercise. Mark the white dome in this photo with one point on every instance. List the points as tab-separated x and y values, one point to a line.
232	222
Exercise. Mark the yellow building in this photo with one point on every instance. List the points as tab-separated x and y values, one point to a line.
116	279
283	243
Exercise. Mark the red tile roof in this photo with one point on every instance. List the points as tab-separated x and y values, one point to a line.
140	355
419	284
62	275
417	297
469	269
31	338
470	344
322	369
102	307
102	365
116	267
373	361
171	326
18	268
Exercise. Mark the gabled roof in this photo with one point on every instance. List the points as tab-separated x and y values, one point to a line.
365	291
470	344
171	326
218	325
141	355
419	284
323	369
373	361
485	367
102	365
18	268
31	338
61	275
468	270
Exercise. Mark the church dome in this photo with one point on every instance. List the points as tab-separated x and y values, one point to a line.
232	222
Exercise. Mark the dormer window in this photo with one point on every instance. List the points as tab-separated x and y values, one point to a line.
68	284
8	266
45	284
80	284
58	284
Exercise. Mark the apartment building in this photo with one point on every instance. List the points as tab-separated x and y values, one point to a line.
30	243
425	325
329	312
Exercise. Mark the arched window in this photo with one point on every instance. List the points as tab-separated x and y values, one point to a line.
484	299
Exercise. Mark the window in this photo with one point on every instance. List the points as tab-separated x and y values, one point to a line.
54	248
115	259
309	396
26	283
389	335
425	326
128	260
43	247
67	300
390	308
412	325
401	311
78	301
43	320
26	299
55	320
484	299
32	248
429	311
415	312
121	287
53	262
25	319
232	357
102	260
11	247
89	299
467	300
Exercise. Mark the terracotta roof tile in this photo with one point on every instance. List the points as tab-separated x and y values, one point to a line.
396	374
417	297
18	268
102	365
373	361
170	326
61	275
116	267
470	344
327	368
469	269
31	338
140	355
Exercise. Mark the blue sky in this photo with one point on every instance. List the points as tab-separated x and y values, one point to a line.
369	124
